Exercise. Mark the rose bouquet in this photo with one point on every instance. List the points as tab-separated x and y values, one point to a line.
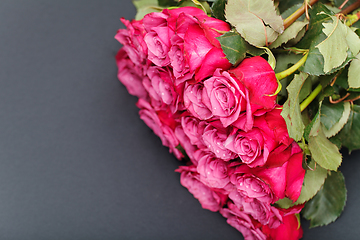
257	97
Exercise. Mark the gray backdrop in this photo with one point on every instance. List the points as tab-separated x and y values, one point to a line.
76	162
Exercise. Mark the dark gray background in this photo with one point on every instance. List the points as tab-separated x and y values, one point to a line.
76	162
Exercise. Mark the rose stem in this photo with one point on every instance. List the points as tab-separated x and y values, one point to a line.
351	8
292	18
292	69
310	98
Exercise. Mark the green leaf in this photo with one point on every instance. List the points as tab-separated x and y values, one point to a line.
288	5
255	20
328	203
335	128
312	183
333	45
291	108
144	7
306	89
234	46
331	114
354	73
339	39
315	61
315	26
310	127
323	151
315	124
284	203
290	33
350	134
218	9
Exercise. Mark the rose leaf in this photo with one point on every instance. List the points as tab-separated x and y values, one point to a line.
331	114
291	108
354	73
256	20
312	182
328	203
350	134
218	9
338	125
290	33
340	39
323	151
234	46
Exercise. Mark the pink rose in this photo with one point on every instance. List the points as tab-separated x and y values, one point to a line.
265	144
214	137
213	171
193	128
225	97
285	180
250	146
253	187
203	50
259	78
208	198
193	101
249	228
133	43
157	38
179	65
157	121
161	89
185	143
261	211
130	75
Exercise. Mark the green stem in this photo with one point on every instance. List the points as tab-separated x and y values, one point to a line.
310	98
292	69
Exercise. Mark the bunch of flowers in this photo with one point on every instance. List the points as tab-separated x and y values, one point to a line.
206	89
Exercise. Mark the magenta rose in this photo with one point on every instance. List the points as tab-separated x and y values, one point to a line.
193	128
214	137
158	123
130	75
180	67
208	198
253	187
157	38
259	78
290	229
265	144
193	101
250	146
225	97
213	171
186	144
285	180
262	212
161	89
133	43
201	48
250	229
